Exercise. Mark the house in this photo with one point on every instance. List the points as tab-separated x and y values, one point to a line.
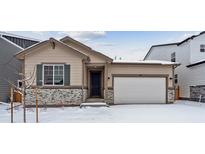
9	66
68	72
190	75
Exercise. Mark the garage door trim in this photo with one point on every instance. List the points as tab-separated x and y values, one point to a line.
143	75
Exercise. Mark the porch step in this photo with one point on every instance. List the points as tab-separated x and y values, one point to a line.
90	100
94	104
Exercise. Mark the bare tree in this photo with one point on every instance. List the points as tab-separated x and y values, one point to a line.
27	82
12	109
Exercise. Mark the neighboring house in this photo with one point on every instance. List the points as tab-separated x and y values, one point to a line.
9	66
69	73
190	75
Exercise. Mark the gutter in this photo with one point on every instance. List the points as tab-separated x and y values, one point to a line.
141	63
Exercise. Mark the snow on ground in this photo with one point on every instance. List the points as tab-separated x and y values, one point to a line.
181	111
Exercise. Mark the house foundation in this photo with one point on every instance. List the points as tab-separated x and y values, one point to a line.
171	95
56	97
197	93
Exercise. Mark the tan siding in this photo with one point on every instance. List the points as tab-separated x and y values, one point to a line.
85	77
58	55
138	69
93	57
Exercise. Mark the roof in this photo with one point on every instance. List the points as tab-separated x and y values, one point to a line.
20	42
75	41
176	43
192	37
18	36
20	54
85	46
147	62
196	63
102	55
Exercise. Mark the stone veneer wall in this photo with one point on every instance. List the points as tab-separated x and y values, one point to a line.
196	92
70	96
56	96
171	95
110	96
85	94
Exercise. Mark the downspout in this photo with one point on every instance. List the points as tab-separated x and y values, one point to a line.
173	70
24	91
83	66
173	77
173	80
106	82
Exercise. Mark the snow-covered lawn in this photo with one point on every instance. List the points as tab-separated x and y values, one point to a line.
181	111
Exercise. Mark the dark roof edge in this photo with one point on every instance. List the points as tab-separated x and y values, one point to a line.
176	43
195	64
167	44
192	37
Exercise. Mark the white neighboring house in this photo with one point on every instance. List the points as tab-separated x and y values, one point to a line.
190	75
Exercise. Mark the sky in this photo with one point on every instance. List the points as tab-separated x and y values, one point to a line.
125	45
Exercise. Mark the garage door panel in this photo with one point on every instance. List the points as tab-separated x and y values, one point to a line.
139	90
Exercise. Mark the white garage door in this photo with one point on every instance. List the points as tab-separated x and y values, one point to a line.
139	90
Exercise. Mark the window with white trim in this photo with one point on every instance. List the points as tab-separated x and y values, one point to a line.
53	74
202	48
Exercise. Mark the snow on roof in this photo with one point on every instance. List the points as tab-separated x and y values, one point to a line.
160	62
163	62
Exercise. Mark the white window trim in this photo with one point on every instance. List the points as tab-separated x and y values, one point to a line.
53	74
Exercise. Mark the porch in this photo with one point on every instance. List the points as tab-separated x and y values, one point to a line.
95	78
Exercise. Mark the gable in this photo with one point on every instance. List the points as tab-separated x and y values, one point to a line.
48	53
59	55
95	57
52	43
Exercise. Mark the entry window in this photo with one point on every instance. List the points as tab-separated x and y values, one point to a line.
173	57
53	75
202	48
176	78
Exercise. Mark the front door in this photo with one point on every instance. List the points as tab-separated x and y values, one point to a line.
95	81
